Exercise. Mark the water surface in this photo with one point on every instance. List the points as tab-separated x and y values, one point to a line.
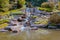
41	34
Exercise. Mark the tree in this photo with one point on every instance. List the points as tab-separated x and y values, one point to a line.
36	2
20	3
4	5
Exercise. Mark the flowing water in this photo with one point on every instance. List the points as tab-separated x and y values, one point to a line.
40	34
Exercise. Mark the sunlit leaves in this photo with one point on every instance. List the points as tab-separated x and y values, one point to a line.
4	4
22	2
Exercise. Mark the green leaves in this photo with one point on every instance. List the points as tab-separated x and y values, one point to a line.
55	18
36	2
4	4
22	2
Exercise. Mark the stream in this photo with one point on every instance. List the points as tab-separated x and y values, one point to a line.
40	34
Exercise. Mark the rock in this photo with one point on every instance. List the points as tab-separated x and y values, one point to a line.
14	31
52	27
9	29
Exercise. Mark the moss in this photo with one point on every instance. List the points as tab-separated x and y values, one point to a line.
52	24
3	25
34	16
41	21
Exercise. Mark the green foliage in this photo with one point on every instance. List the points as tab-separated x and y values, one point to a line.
4	21
58	5
4	5
48	5
17	13
48	10
29	5
55	18
34	16
45	5
42	9
45	9
36	2
41	21
20	3
3	25
52	24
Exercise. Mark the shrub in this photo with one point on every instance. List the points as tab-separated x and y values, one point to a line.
52	5
59	5
48	10
48	5
52	24
45	5
55	18
3	25
4	5
4	21
20	3
42	9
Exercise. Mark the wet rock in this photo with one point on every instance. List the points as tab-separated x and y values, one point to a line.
52	27
14	31
58	26
9	29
